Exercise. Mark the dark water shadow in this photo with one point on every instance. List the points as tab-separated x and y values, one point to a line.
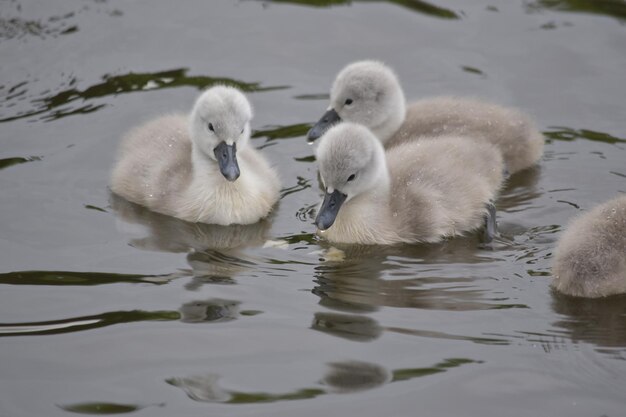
272	133
568	134
213	310
102	408
599	321
72	278
341	378
76	324
8	162
611	8
419	6
73	101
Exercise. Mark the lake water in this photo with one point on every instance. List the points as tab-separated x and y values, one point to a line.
106	308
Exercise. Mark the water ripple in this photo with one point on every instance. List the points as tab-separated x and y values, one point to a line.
418	6
341	377
64	102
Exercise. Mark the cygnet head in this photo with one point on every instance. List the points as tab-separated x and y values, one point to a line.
368	93
351	161
220	123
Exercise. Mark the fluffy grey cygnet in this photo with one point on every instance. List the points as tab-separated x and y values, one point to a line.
590	259
369	93
421	191
201	167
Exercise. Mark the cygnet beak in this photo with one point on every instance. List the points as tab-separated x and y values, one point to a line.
328	119
329	210
226	156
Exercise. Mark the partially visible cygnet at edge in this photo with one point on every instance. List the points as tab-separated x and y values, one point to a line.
200	167
590	259
422	191
369	93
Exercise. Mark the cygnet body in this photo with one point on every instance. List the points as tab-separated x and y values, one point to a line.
369	93
421	191
590	259
201	167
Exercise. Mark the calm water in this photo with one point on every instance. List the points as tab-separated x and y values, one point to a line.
106	308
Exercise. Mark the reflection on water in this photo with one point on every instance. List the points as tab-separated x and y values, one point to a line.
214	253
360	328
76	324
105	408
521	191
282	132
169	234
341	377
352	376
357	286
569	134
347	326
419	6
72	100
7	162
213	310
72	278
18	28
601	322
614	8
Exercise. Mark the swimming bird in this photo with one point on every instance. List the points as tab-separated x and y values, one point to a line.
198	167
590	258
369	93
422	191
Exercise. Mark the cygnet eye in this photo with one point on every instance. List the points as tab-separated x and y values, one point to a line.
211	127
351	177
348	101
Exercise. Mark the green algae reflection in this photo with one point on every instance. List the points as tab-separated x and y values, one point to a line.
59	105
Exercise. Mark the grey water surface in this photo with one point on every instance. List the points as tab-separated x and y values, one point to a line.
106	308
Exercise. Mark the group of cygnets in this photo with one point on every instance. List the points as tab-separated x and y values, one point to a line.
391	172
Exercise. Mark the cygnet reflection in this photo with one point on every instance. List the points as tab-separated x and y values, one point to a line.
202	388
351	376
215	253
212	310
368	281
600	321
169	234
347	326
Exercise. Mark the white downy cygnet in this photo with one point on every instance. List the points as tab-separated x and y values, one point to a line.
369	93
422	191
201	167
590	259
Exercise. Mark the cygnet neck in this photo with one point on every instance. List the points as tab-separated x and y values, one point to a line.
391	125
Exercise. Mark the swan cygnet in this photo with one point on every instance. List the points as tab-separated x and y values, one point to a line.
590	259
421	191
201	167
369	93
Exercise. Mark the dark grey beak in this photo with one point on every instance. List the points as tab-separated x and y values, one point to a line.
329	210
227	159
328	119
